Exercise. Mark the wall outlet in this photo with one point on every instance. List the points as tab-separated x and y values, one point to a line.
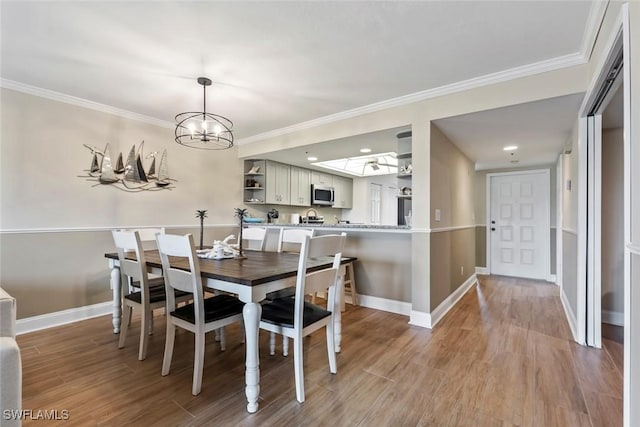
437	214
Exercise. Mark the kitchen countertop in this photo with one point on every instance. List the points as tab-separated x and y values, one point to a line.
348	227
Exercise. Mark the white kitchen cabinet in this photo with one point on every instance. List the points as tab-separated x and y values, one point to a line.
300	186
343	188
277	183
321	178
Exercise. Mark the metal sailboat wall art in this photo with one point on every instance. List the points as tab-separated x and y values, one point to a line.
130	176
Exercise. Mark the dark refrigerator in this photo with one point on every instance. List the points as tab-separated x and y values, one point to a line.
404	210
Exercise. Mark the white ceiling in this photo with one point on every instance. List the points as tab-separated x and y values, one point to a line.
276	64
539	129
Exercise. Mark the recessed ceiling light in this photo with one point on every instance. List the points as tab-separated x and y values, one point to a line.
312	159
510	148
365	150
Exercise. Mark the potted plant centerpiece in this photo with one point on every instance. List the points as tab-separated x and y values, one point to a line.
241	214
202	214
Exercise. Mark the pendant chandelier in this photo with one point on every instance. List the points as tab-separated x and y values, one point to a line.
203	130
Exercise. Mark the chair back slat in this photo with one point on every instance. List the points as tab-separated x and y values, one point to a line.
170	245
314	247
320	281
291	238
127	242
254	237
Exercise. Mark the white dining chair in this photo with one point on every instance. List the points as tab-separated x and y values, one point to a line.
199	317
147	298
254	238
289	240
296	318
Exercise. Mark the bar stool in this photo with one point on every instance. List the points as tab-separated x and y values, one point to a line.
349	285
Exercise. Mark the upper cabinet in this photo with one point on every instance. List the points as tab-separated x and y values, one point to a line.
321	178
273	183
300	186
278	183
343	188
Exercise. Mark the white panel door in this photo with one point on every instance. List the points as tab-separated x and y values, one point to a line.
519	224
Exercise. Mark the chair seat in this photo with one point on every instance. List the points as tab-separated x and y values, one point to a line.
281	293
215	308
156	294
154	281
281	312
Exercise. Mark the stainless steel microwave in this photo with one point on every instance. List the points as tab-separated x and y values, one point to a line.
322	195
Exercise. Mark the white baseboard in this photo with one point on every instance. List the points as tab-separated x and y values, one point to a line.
482	270
438	313
420	318
551	278
49	320
571	317
392	306
613	318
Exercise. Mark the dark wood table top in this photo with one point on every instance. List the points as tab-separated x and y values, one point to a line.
258	268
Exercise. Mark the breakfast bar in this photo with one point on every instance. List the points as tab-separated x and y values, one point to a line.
383	269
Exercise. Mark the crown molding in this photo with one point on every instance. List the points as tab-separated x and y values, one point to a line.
591	30
80	102
476	82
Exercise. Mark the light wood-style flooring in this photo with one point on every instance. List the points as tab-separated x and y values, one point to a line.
503	356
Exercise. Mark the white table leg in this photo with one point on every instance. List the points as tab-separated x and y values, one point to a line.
337	326
116	288
251	314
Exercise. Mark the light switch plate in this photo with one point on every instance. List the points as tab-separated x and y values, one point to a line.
437	214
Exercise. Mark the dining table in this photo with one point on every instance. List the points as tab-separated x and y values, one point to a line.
250	278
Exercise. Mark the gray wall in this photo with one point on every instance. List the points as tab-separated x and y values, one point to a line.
569	269
452	252
452	262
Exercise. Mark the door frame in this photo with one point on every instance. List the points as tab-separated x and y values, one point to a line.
547	172
619	38
589	302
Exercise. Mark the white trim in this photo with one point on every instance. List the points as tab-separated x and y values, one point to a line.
58	318
552	278
594	230
559	218
443	229
452	300
421	230
571	318
482	270
596	16
84	103
581	255
613	318
634	249
95	229
547	173
631	390
420	318
384	304
476	82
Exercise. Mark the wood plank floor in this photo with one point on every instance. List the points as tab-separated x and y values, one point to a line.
503	356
